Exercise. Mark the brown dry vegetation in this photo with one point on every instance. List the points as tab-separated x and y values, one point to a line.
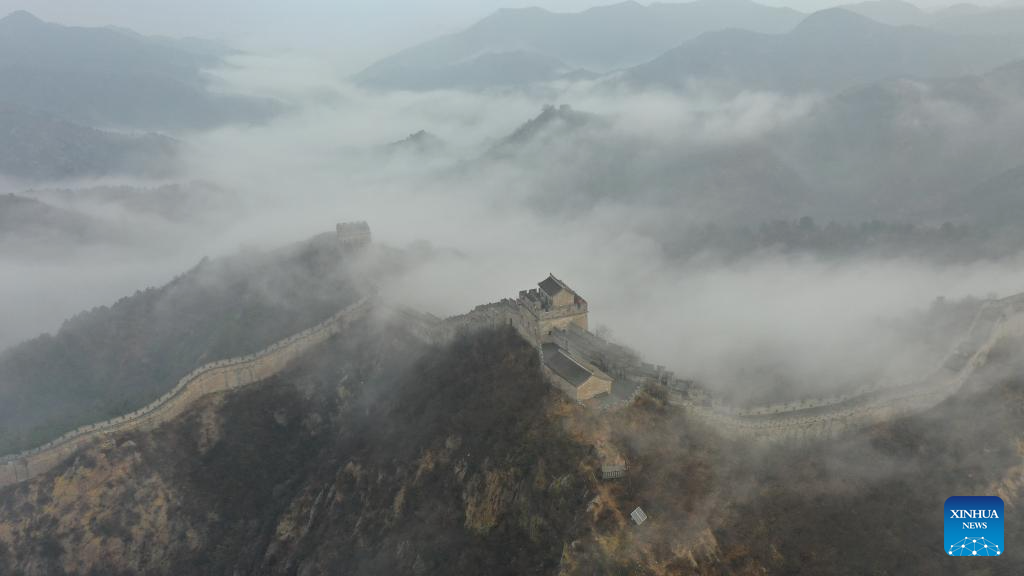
378	455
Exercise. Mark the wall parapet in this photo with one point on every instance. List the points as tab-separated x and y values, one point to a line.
794	420
869	405
218	376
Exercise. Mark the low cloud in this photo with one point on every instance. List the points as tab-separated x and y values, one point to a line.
324	161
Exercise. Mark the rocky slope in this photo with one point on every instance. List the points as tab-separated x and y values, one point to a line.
362	460
381	455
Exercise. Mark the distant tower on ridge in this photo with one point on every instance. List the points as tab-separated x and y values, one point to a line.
354	234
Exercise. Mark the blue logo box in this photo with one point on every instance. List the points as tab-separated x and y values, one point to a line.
974	526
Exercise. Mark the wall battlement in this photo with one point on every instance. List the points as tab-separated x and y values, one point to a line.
811	418
535	313
830	417
784	422
219	376
807	419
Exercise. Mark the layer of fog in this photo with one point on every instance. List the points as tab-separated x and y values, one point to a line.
323	162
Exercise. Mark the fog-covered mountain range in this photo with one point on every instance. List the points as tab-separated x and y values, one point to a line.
739	42
794	237
113	77
544	44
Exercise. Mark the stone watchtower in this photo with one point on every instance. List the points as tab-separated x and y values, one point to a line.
554	306
354	234
551	307
543	316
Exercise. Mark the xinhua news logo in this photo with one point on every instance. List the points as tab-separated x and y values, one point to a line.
974	526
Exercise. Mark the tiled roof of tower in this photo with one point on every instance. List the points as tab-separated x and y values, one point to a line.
564	366
552	286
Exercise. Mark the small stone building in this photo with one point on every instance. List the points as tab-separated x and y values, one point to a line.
638	516
579	379
613	468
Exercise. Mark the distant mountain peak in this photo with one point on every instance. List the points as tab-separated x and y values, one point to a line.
551	116
551	113
421	141
21	17
726	2
892	12
887	3
627	5
838	15
601	39
963	8
835	20
525	10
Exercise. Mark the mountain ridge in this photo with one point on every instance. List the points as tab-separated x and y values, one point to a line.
581	40
112	78
37	146
829	51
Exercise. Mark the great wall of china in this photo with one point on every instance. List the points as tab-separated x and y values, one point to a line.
995	321
794	421
212	378
827	418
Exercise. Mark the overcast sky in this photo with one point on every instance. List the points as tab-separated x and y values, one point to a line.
354	32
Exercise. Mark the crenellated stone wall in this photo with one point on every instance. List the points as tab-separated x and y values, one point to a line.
506	312
827	418
811	419
212	378
807	419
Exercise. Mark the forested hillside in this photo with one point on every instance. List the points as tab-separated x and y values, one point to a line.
113	359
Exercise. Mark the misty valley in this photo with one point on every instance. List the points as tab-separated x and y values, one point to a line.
709	287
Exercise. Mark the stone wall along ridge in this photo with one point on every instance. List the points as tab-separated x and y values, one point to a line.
219	376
